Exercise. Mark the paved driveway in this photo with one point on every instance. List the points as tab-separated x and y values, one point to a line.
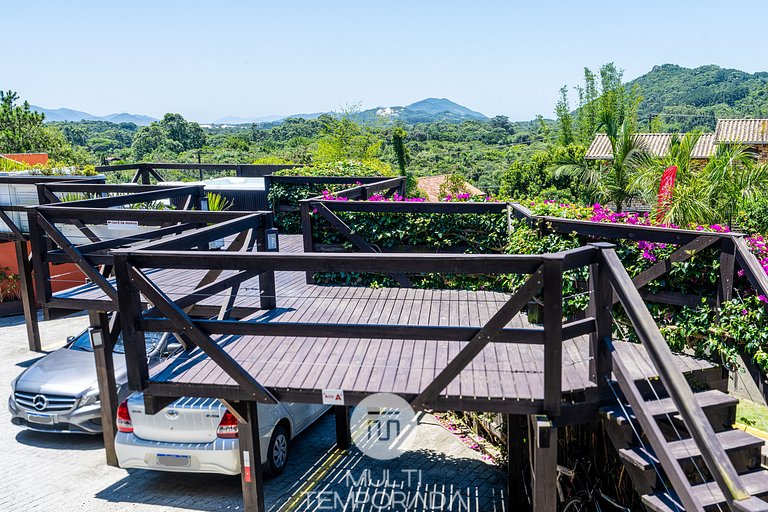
51	473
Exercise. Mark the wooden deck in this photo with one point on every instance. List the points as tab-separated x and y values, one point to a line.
505	376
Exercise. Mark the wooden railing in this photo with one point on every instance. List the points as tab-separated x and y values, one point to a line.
146	172
13	216
84	232
733	249
545	273
355	200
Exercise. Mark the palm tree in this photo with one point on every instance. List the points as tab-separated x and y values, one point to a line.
611	181
734	179
688	201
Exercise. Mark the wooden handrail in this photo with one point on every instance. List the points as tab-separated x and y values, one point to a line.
365	189
751	266
203	236
138	197
661	356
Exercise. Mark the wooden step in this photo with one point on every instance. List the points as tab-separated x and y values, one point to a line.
709	495
708	400
731	440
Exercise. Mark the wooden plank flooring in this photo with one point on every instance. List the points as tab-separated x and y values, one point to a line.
500	372
503	372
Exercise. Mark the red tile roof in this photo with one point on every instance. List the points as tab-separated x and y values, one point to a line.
27	158
430	185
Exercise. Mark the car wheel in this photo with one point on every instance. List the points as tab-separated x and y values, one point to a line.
277	451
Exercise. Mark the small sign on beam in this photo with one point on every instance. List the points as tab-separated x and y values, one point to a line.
272	239
121	225
97	338
333	397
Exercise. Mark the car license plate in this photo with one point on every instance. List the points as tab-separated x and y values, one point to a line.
175	461
42	419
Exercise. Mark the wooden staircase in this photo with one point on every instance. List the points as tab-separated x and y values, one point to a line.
664	462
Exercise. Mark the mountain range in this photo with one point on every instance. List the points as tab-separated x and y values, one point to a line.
424	111
680	98
67	114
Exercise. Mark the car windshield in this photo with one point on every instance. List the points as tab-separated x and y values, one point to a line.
83	342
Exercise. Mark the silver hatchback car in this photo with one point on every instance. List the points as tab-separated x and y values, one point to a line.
60	392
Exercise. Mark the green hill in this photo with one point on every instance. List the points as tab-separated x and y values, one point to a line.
686	98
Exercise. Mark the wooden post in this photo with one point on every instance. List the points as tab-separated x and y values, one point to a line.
544	474
129	302
39	247
343	430
545	451
600	305
553	334
103	343
306	232
250	461
727	269
517	459
145	174
27	291
266	241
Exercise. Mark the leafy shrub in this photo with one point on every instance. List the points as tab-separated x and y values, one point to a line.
740	326
290	195
754	217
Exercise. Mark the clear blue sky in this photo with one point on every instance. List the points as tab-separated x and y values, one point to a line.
208	59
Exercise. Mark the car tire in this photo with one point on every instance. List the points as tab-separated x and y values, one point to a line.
277	451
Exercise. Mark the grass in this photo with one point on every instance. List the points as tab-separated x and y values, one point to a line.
752	415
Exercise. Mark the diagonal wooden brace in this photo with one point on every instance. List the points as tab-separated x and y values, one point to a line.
660	268
188	328
54	199
77	257
489	331
12	226
357	240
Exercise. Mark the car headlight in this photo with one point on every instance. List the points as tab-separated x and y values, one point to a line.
13	384
89	398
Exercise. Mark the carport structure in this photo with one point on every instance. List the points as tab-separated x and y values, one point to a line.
438	349
85	233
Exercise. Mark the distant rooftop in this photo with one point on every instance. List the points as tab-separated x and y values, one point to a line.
27	158
728	131
657	144
744	131
430	185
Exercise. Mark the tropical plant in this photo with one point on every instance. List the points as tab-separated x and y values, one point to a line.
688	201
10	285
611	181
218	203
734	180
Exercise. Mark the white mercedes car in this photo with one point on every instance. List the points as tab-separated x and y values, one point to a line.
200	435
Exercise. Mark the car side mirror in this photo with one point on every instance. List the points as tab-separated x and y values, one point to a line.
172	348
70	339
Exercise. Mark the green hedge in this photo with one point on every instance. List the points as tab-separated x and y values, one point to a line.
290	195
